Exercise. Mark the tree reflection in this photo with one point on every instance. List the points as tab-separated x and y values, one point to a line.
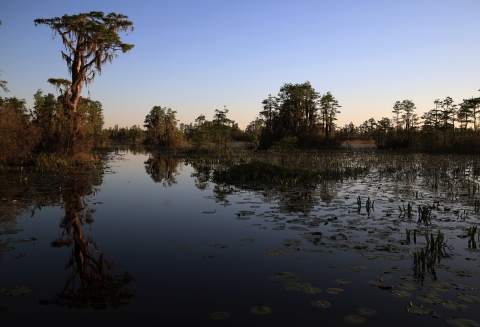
163	169
202	173
90	283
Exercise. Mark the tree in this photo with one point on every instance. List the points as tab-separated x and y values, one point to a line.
18	136
329	110
162	130
91	40
408	107
222	128
270	106
254	131
397	109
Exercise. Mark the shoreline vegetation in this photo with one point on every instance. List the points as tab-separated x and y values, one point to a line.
68	129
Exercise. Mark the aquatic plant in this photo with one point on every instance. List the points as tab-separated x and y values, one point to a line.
424	214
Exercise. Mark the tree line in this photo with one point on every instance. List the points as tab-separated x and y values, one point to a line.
69	125
448	127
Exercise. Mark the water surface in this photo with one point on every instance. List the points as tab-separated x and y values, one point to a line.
145	239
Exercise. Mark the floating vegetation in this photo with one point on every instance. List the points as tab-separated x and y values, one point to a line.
10	231
21	255
399	293
456	306
261	309
465	287
422	310
469	298
408	287
321	304
27	240
358	268
407	208
461	322
6	248
305	287
429	298
342	282
285	276
19	290
334	290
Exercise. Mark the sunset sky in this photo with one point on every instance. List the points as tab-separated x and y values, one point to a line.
197	56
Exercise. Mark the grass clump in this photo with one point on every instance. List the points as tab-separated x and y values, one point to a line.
257	171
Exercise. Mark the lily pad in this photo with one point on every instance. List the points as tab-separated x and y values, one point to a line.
10	231
342	282
429	298
462	322
19	290
459	306
366	312
465	287
261	309
442	286
285	276
292	286
464	273
307	288
469	298
247	240
408	287
291	242
21	255
375	282
399	293
333	290
276	252
28	240
354	319
321	304
6	248
422	310
209	256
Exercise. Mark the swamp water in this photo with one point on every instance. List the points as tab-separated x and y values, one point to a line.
152	239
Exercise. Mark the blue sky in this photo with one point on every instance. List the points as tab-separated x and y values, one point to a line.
197	56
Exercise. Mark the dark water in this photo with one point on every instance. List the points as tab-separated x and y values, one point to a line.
194	248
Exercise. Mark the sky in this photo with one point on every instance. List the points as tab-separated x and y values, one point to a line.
195	56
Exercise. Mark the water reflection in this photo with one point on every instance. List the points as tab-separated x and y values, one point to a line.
90	283
163	169
202	173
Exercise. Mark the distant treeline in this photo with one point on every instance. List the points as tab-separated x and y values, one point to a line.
299	117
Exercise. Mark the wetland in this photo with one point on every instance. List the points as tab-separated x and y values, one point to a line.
253	238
